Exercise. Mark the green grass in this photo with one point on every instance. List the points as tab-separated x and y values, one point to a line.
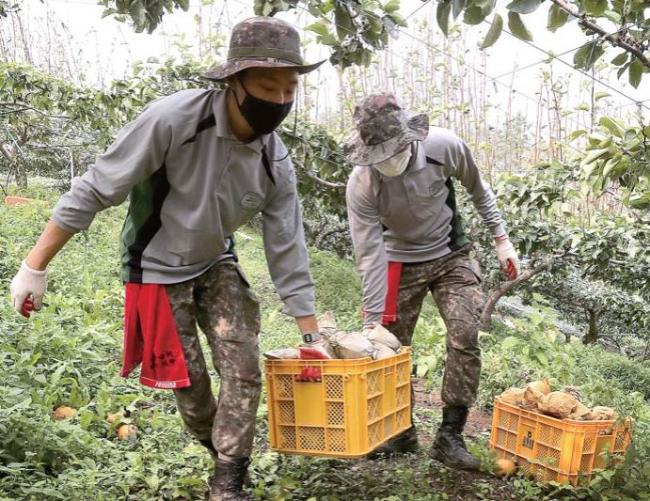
70	354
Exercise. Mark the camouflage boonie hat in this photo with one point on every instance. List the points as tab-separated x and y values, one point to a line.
383	130
262	42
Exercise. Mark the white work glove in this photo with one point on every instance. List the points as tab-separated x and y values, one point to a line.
507	256
28	284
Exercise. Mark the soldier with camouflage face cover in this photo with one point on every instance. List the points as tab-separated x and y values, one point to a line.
409	240
197	165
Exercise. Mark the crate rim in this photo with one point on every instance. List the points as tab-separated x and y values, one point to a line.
360	363
622	422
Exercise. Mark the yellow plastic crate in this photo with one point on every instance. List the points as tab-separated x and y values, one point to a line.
546	448
357	406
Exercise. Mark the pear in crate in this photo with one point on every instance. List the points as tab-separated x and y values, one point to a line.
352	345
557	404
513	396
600	413
379	334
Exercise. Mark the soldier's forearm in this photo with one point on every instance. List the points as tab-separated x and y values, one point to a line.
49	244
307	324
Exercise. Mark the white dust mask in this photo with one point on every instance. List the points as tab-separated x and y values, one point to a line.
396	164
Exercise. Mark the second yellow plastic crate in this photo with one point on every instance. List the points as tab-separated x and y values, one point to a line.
357	405
563	450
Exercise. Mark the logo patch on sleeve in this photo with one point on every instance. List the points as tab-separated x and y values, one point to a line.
251	201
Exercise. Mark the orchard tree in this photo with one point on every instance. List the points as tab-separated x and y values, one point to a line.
556	238
7	6
612	316
354	29
52	127
619	23
618	157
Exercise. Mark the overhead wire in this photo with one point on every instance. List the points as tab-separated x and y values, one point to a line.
459	60
341	157
549	54
604	84
337	155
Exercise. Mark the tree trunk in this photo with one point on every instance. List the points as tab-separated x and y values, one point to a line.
485	322
591	337
21	175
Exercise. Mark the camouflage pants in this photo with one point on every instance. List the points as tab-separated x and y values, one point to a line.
454	281
227	312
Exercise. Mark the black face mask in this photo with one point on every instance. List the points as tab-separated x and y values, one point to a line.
262	116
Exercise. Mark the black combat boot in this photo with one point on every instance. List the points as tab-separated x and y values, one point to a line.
404	443
228	480
449	446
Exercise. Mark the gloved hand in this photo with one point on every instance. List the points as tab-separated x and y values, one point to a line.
315	346
507	256
27	289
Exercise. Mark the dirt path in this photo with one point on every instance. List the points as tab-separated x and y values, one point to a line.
406	477
478	421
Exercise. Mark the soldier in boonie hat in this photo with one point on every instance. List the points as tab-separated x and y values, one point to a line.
196	165
409	240
260	69
383	130
262	42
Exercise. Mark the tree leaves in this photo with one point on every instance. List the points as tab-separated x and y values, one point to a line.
587	55
442	15
458	6
518	28
595	7
344	25
620	60
524	6
557	18
635	73
476	12
324	35
391	6
493	33
144	14
612	126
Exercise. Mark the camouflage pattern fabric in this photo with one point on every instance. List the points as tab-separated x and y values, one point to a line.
227	312
455	283
383	129
262	42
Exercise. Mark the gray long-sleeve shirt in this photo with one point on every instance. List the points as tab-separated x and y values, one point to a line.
413	217
191	185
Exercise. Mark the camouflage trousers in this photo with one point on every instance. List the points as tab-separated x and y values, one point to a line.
454	281
227	312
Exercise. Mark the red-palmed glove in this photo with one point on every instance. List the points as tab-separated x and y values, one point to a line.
507	256
316	343
27	289
314	347
309	375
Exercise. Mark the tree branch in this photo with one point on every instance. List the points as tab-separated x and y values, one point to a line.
14	111
323	236
26	107
625	42
495	294
328	184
